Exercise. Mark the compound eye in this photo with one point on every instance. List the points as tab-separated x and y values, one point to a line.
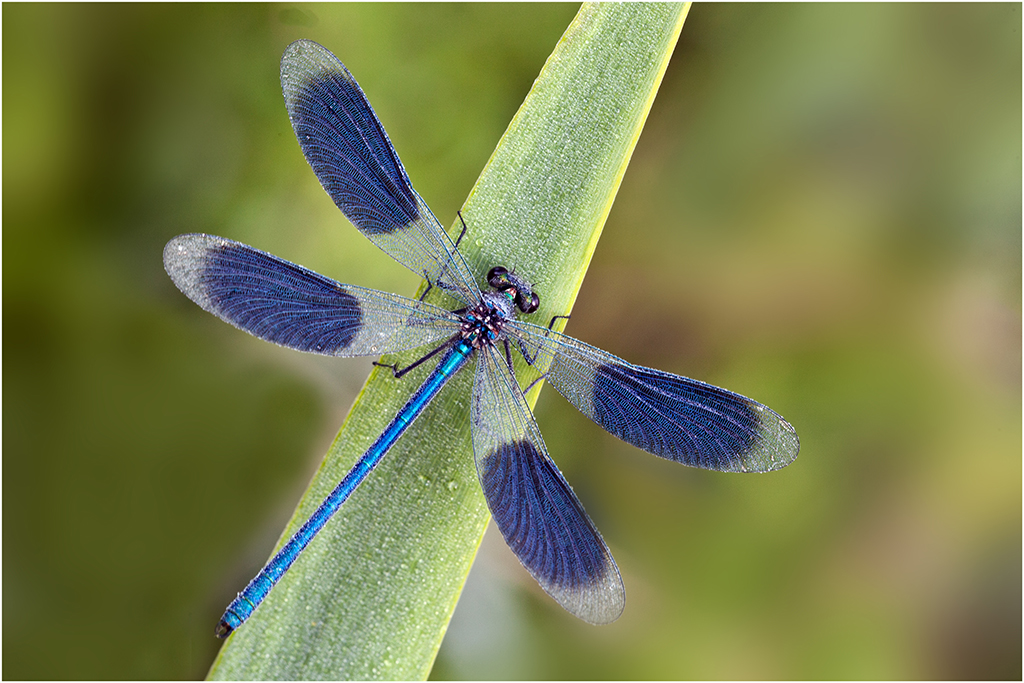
529	306
496	276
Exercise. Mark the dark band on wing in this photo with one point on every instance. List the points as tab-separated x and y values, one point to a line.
681	419
515	479
344	142
271	298
543	522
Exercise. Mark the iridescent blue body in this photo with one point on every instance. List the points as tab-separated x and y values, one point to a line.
535	509
239	610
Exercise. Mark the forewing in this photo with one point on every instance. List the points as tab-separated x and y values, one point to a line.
671	416
289	305
537	512
345	143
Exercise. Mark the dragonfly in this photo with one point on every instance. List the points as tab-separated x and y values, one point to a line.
537	512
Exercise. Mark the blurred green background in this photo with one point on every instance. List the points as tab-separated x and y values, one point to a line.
823	213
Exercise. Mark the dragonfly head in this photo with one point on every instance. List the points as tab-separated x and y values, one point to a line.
514	287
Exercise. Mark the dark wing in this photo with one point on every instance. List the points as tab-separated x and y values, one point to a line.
345	143
671	416
537	512
289	305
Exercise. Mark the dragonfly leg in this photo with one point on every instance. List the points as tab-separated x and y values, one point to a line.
399	372
551	324
522	347
440	285
527	389
508	358
430	286
463	233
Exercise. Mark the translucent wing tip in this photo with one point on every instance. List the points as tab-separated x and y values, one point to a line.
302	64
600	602
304	57
185	259
776	445
305	50
304	46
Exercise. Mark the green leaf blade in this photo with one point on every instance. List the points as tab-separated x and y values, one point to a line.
372	596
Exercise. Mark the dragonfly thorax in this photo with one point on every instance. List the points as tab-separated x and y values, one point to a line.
483	323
